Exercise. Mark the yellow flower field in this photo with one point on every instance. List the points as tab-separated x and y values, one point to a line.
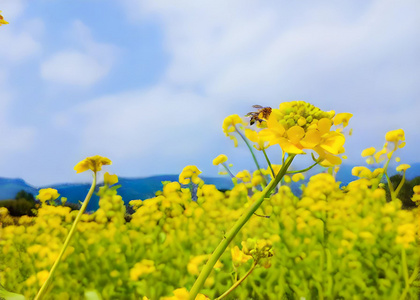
256	241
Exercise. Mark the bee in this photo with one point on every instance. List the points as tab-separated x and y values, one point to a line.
262	111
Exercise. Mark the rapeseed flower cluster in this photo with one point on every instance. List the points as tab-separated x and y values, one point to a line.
298	125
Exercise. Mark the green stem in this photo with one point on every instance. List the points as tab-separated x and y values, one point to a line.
303	170
268	162
391	188
41	292
405	273
237	283
227	169
400	185
217	253
252	153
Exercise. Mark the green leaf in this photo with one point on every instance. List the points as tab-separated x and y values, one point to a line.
6	295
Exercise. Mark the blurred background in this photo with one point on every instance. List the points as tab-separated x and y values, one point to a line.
148	83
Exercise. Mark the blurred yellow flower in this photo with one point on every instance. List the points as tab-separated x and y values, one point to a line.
229	126
368	151
395	136
220	159
244	175
2	20
141	268
403	167
342	118
361	172
110	179
183	294
190	173
93	163
254	136
238	257
298	176
416	196
47	194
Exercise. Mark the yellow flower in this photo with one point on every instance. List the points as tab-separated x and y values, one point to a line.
380	155
220	159
2	20
42	276
110	179
298	176
395	136
403	167
342	118
144	267
298	125
238	257
190	173
183	294
47	195
93	163
368	151
244	175
255	137
416	196
361	172
229	126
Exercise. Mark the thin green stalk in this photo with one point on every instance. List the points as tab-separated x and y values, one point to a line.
400	185
217	253
227	169
252	153
405	274
391	187
303	170
268	162
237	283
41	292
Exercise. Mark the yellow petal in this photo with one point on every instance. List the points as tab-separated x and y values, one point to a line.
333	142
220	159
342	118
403	167
324	125
368	151
110	179
311	139
93	163
395	136
295	134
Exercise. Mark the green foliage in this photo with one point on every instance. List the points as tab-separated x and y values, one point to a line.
19	207
406	192
25	195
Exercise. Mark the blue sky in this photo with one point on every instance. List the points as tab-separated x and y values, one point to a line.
148	83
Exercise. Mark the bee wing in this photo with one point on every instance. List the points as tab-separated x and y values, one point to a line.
257	106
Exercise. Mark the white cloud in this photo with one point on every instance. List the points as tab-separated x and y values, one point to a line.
262	51
141	123
18	46
80	67
12	9
346	56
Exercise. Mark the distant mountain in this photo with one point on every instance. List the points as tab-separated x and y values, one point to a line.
131	188
144	188
10	186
